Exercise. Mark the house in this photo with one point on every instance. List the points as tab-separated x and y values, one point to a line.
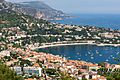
79	77
28	71
102	78
30	79
91	68
18	70
93	76
32	71
5	53
85	76
107	35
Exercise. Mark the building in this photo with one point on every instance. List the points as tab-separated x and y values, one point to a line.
28	71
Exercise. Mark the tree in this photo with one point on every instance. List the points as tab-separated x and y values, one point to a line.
7	74
65	76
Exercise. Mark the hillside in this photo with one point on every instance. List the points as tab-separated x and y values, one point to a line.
46	11
37	9
19	33
23	30
7	74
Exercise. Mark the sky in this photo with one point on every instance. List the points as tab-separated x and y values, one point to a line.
83	6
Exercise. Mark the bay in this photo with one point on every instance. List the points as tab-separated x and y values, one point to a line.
89	53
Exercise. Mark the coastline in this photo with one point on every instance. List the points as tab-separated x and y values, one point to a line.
46	46
69	44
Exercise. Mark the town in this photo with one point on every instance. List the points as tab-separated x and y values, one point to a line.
47	66
21	34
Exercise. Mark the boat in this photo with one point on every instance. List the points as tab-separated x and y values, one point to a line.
100	44
107	60
100	55
92	57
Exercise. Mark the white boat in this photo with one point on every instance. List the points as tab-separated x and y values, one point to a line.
100	44
92	57
100	55
107	60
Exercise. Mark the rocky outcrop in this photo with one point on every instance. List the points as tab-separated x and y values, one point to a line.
36	9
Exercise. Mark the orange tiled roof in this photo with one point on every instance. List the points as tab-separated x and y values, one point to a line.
36	65
29	79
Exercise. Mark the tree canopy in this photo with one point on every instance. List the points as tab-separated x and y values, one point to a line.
7	74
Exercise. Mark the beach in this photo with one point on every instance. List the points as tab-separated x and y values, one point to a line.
54	44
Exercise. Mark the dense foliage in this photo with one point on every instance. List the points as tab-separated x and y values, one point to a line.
42	31
21	30
7	74
110	74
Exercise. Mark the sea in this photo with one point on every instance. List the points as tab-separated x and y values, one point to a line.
89	53
98	20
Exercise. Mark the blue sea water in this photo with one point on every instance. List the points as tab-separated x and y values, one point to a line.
99	20
89	53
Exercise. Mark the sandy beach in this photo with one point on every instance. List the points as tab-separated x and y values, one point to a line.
68	44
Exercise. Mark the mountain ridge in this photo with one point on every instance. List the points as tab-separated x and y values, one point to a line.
37	9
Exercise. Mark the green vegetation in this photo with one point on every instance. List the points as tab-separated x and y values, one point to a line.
7	74
51	72
56	74
64	76
110	74
20	30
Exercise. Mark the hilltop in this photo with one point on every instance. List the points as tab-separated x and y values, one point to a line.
37	9
24	30
19	33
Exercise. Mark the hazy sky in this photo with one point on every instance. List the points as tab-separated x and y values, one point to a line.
83	6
